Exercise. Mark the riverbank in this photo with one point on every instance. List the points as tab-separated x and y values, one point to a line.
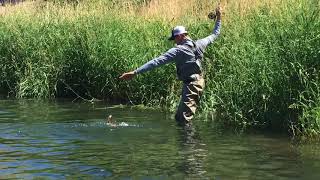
261	73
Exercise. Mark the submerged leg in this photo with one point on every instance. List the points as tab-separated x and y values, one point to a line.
190	98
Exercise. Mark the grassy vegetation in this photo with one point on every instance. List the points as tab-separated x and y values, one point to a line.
263	72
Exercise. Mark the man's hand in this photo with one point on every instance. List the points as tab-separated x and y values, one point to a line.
219	11
127	75
216	15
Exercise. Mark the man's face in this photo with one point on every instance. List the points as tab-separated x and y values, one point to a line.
179	38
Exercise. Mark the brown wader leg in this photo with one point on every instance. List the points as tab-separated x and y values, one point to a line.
190	97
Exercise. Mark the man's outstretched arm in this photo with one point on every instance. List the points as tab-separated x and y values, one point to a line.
161	60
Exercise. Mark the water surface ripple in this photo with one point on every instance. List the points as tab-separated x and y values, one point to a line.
63	140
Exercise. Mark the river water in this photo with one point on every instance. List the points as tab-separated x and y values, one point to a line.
65	140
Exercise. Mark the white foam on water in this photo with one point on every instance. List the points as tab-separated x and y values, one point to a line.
123	124
104	124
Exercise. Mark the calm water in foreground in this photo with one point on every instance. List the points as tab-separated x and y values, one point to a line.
64	140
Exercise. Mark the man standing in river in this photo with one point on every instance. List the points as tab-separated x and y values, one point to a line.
187	55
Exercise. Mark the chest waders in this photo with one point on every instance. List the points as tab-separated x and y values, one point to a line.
193	83
189	70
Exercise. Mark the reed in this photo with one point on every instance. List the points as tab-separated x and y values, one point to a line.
263	72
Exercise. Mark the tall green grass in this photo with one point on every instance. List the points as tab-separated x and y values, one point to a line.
263	72
267	69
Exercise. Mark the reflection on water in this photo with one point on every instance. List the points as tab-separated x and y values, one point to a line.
193	153
62	140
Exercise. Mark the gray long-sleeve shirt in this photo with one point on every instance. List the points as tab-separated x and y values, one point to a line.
187	55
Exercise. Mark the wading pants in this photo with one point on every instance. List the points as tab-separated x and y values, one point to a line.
189	101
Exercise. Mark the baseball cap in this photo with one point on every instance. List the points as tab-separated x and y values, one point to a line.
177	31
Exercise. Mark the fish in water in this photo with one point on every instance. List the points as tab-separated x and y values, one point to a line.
110	121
